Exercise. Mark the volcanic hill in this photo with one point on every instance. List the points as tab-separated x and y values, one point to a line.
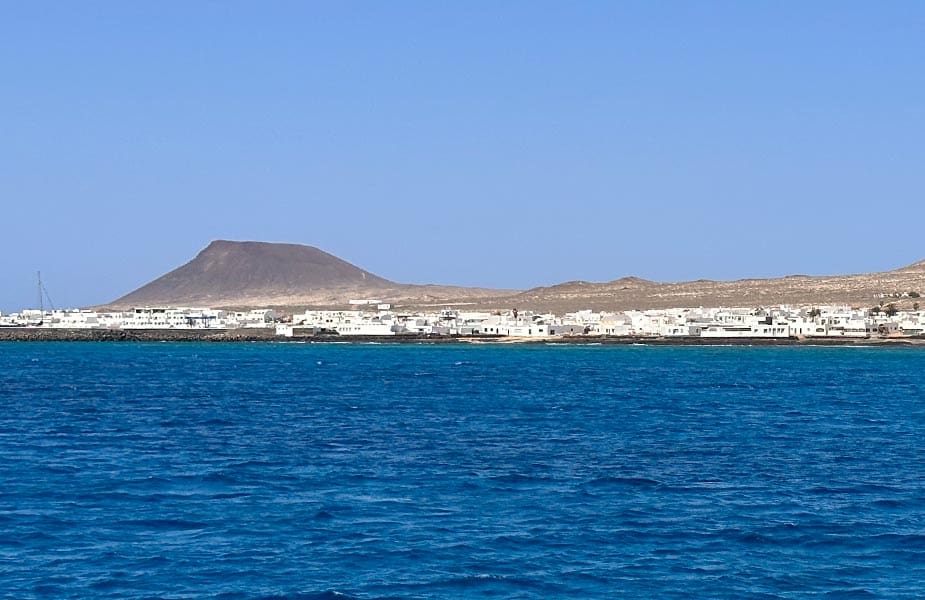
228	272
261	274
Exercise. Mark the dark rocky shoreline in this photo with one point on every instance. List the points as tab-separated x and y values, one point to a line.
32	334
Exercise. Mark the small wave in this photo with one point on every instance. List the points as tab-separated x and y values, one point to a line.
40	536
852	490
756	539
517	478
852	593
906	540
215	422
106	584
326	595
476	580
888	503
251	463
642	482
164	524
147	484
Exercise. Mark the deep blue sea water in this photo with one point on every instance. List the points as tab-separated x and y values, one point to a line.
246	471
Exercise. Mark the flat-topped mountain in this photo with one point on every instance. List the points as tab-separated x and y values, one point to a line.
228	272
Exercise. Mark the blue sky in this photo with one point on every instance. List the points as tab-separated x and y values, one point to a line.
502	144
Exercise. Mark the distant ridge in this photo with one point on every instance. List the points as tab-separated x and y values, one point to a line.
913	268
263	274
863	290
227	273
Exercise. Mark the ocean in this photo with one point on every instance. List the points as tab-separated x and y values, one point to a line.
245	471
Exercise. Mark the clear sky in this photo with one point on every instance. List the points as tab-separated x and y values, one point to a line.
502	144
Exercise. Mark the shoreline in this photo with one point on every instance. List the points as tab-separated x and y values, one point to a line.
31	334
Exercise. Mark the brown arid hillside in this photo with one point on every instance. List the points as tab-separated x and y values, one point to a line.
228	272
261	274
292	276
633	293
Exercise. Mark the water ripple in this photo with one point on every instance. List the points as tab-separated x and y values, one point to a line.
308	471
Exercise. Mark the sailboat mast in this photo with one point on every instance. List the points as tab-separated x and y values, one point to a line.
41	295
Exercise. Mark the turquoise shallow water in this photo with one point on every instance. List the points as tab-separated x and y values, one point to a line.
323	471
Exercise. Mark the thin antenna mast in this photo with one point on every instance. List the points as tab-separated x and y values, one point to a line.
43	295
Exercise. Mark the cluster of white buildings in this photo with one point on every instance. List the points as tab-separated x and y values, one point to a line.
445	322
378	319
141	318
779	322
